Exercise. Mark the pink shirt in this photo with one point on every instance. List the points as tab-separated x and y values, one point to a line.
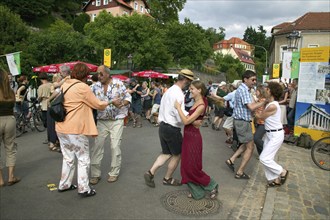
79	101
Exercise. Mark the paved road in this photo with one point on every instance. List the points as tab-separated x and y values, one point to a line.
129	197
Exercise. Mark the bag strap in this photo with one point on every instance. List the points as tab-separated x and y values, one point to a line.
70	87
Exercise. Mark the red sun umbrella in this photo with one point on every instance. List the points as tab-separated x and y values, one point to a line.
150	74
120	77
55	68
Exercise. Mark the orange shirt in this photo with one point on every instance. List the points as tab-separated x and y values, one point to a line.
259	110
79	101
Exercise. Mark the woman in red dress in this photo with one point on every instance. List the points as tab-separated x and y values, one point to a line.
192	146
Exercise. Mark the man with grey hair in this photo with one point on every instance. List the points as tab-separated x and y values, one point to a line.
64	73
109	122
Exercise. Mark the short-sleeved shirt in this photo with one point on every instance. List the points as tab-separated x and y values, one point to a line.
167	110
230	97
116	89
44	91
242	98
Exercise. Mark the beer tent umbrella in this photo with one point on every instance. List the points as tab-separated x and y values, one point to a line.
120	77
150	74
55	68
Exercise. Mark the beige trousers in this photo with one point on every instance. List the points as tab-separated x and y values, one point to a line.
7	136
115	130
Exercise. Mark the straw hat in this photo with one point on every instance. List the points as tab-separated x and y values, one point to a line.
223	83
187	73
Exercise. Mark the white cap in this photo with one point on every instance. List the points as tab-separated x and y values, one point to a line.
222	84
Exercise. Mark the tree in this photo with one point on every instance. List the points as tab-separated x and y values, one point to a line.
165	11
80	22
137	35
187	43
58	43
230	66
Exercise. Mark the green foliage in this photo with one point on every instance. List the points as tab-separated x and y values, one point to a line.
12	29
166	11
214	36
187	43
59	43
229	65
80	22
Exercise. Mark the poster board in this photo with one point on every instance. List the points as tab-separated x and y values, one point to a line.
313	96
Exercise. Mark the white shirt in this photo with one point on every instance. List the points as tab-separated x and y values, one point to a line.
167	110
274	121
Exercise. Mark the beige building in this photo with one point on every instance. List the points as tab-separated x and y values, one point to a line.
312	30
116	7
238	49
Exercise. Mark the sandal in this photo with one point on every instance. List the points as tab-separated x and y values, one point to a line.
242	176
89	193
14	181
230	164
149	179
72	187
214	192
171	182
274	184
55	149
283	178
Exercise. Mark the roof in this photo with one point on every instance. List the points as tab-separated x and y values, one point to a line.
311	21
243	56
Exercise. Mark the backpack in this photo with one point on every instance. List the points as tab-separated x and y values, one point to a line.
228	111
305	141
56	109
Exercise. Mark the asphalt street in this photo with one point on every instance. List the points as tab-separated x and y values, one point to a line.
129	197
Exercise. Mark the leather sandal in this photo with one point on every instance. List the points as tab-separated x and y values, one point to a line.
14	181
171	182
89	193
72	187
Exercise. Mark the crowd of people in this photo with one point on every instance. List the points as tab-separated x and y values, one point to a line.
250	114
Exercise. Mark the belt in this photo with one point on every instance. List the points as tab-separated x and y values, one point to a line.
168	125
280	129
241	120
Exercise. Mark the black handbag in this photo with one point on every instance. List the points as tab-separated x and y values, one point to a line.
56	109
228	111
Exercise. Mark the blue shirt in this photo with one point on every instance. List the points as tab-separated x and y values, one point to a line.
230	97
242	98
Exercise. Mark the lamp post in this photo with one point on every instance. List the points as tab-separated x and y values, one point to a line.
266	68
130	63
293	39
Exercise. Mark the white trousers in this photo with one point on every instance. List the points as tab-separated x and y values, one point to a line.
74	146
272	143
115	130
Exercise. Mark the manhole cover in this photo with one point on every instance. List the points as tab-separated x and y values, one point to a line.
179	203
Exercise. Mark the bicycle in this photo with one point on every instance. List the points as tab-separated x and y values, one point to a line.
35	122
321	153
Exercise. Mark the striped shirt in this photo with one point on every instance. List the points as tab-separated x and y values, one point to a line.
242	98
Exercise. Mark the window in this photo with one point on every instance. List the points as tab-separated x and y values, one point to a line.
313	45
98	2
141	7
136	7
283	48
105	2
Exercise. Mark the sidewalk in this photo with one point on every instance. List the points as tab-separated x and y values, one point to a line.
305	195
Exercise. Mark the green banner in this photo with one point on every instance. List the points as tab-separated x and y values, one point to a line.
295	64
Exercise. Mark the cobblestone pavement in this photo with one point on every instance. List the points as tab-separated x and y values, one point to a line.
305	195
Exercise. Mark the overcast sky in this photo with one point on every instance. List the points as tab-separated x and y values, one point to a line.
236	15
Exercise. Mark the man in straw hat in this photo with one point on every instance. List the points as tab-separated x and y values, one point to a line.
170	130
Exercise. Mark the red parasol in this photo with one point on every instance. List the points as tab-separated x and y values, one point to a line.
55	68
150	74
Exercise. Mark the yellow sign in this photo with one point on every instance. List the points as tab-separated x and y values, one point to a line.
318	54
107	57
276	70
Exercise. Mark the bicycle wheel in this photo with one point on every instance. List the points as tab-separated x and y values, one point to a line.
20	126
37	121
321	153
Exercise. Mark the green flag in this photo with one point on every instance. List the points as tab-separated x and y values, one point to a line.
295	64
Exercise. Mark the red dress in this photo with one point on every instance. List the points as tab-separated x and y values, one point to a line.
191	155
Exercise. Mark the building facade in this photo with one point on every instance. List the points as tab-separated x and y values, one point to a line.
313	29
238	49
116	7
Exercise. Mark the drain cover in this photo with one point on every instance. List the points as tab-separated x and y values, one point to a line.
179	203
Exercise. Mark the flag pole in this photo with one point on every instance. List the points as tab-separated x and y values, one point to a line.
3	55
